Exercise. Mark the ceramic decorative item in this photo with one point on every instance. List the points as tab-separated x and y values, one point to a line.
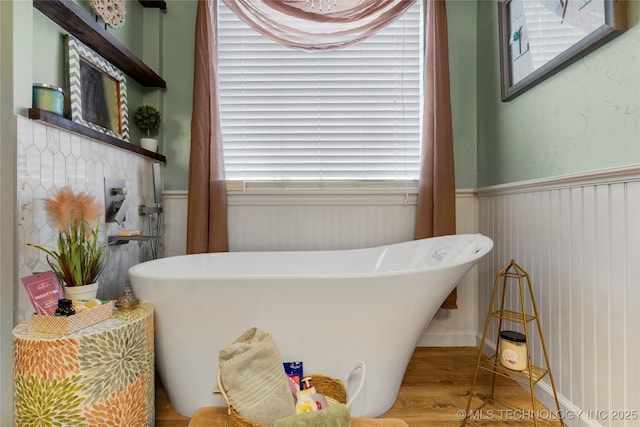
86	292
150	144
112	12
127	300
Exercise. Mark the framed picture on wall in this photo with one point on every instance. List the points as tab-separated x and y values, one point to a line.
538	38
97	91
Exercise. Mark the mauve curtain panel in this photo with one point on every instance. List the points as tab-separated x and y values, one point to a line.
207	200
436	214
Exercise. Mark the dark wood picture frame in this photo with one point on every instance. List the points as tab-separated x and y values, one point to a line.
515	45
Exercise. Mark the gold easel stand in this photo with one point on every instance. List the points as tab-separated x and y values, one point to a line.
532	374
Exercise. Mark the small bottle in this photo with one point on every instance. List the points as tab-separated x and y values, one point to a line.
305	403
65	308
321	402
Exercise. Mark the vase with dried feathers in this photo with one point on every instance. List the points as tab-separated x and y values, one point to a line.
79	257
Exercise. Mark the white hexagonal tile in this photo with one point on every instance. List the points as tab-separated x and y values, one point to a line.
76	146
59	170
81	174
22	165
33	166
25	132
101	151
46	169
65	144
53	139
71	171
99	174
39	136
111	155
39	192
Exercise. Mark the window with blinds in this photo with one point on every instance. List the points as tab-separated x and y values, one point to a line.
346	114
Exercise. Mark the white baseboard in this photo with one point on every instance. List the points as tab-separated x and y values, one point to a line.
443	339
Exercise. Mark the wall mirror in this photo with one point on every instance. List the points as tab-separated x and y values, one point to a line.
97	91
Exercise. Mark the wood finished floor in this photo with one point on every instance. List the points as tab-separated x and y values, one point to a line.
435	387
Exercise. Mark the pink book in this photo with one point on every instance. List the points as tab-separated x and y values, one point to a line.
44	291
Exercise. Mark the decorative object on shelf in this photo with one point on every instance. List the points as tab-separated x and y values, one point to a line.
127	300
148	118
539	38
47	97
79	256
517	345
513	353
61	325
97	91
112	12
44	291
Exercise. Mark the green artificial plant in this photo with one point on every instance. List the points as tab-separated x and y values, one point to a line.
79	257
147	118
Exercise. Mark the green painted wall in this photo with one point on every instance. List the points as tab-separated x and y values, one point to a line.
462	23
178	72
7	259
15	88
178	42
584	118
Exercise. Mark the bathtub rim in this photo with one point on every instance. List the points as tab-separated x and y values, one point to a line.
145	270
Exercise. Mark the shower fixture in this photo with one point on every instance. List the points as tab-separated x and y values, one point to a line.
115	200
148	210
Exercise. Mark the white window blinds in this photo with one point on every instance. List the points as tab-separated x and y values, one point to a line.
346	114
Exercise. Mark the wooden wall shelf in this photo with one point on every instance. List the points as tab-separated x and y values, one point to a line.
60	122
76	21
160	4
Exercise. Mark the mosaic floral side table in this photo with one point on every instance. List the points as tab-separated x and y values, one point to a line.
101	375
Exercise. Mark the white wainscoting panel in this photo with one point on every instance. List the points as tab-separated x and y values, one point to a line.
175	222
325	220
579	240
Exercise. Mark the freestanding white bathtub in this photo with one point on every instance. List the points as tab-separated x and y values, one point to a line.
328	309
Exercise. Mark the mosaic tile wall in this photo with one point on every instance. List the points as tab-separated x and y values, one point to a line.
50	158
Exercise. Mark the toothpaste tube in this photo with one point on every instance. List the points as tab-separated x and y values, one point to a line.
294	372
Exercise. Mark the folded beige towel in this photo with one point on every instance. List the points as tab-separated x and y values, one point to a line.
254	379
333	416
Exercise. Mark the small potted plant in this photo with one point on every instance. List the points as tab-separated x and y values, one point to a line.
147	118
79	257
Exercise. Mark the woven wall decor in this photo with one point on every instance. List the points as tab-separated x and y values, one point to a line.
112	12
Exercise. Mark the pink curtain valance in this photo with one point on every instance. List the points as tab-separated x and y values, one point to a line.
318	24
